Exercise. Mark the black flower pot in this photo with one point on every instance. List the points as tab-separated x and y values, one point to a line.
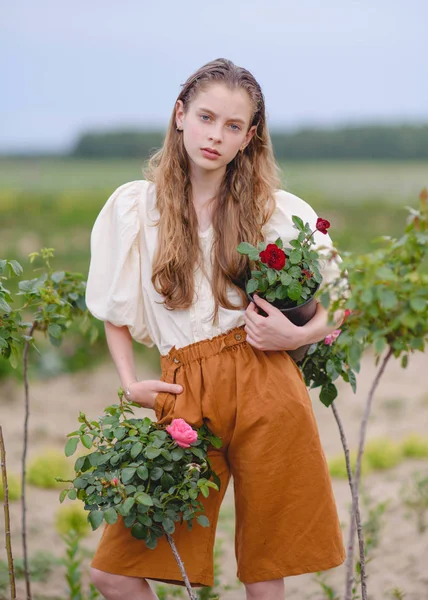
298	315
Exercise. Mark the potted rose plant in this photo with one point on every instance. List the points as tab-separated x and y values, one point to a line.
287	277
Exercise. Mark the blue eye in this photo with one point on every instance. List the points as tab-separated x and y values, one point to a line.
203	117
237	127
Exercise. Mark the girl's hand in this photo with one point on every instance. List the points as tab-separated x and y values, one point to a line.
274	332
145	392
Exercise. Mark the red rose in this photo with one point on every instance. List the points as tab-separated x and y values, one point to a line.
347	313
307	273
322	225
273	257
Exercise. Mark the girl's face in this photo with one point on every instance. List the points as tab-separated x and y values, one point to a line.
215	126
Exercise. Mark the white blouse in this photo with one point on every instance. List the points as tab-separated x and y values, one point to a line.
119	287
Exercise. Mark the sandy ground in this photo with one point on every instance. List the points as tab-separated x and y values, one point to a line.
400	407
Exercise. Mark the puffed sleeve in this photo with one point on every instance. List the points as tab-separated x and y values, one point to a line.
113	290
281	225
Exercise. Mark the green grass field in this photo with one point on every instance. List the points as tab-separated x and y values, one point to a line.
343	182
54	203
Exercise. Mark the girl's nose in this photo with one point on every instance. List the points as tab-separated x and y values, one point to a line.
216	135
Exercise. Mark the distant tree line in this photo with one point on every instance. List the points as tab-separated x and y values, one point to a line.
404	142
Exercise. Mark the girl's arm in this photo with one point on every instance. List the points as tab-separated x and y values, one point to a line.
119	342
276	332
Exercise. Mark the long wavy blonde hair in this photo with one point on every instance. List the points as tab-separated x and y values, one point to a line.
244	203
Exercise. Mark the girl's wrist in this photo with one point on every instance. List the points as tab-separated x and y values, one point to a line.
127	390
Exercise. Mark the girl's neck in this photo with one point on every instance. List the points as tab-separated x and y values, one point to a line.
205	185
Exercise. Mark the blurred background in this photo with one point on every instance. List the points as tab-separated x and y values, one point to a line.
88	90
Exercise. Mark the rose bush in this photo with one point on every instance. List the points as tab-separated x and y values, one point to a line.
150	476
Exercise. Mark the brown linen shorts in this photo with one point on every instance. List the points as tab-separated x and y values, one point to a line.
286	516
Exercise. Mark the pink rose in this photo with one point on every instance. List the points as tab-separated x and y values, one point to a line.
115	481
182	433
333	336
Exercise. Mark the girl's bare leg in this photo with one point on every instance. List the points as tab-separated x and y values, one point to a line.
120	587
266	590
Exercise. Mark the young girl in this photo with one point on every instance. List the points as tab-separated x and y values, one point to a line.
165	270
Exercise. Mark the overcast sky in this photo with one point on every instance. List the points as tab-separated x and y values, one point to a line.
101	64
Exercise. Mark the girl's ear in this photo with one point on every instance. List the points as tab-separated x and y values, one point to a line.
179	114
249	135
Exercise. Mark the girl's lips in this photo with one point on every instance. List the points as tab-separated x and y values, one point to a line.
210	154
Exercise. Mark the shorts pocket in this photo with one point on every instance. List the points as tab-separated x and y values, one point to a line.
159	404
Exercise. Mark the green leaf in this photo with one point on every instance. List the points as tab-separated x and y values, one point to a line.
152	452
355	351
286	278
63	495
177	454
281	292
168	525
295	272
215	441
246	248
129	520
86	441
252	285
136	449
110	516
385	273
127	474
16	267
263	285
120	432
256	274
295	256
55	330
271	275
418	304
143	472
388	299
367	296
127	505
71	445
95	518
379	345
144	499
294	290
4	306
328	394
352	380
80	483
151	542
156	473
79	463
279	243
203	521
145	520
298	222
139	531
58	276
72	494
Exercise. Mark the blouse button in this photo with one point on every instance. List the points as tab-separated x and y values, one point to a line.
177	362
238	336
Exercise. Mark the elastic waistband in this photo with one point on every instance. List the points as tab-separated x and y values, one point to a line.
203	349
